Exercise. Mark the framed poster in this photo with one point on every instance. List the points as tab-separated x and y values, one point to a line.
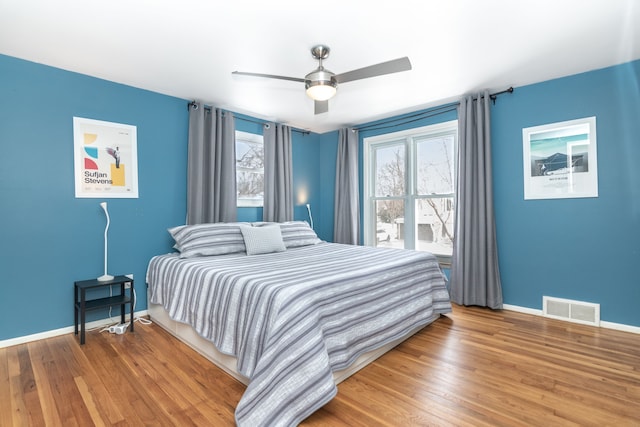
105	159
560	160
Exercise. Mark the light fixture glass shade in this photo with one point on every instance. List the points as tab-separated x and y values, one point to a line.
321	91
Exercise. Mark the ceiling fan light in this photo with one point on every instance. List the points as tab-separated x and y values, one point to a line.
321	90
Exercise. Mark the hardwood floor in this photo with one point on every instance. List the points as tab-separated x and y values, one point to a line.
474	368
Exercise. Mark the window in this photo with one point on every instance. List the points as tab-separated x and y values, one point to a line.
410	189
249	169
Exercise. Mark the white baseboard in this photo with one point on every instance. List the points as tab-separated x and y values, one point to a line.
603	324
620	327
67	330
519	309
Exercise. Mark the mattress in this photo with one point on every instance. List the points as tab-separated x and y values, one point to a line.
293	318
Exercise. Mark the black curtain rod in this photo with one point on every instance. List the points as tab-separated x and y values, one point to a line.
493	96
412	118
206	107
431	112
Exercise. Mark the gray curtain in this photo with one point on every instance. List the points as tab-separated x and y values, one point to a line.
475	275
278	175
211	174
346	216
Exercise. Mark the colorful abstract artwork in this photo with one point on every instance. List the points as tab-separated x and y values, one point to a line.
105	160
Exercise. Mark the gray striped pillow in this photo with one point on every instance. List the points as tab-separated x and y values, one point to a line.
208	239
298	233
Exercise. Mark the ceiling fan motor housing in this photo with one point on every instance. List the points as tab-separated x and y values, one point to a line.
320	52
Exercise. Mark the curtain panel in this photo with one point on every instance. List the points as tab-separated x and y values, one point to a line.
346	216
475	274
278	174
211	168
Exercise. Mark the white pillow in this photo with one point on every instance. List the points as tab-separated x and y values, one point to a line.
262	240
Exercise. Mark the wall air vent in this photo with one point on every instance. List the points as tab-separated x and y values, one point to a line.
586	313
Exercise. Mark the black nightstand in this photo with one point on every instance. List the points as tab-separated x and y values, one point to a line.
81	304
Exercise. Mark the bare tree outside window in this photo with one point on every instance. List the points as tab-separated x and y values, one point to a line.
249	169
390	182
412	170
435	183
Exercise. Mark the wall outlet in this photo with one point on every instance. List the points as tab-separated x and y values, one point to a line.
127	285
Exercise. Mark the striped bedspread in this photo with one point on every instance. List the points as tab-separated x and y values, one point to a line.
292	318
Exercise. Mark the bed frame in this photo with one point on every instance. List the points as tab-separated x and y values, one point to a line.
227	363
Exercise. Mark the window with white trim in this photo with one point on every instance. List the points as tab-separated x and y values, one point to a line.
249	169
410	189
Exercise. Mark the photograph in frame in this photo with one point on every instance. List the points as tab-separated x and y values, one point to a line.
560	160
105	159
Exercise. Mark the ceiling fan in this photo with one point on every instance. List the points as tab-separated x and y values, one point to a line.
321	84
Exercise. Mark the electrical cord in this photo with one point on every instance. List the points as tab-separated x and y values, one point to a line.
110	307
140	320
112	322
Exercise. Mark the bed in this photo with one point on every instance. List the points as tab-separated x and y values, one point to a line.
289	314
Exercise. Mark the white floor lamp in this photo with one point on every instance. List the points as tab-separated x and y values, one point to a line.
310	217
105	276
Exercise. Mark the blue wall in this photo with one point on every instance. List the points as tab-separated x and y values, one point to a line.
52	239
584	249
306	178
326	161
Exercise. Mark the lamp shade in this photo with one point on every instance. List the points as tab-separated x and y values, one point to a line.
320	84
321	92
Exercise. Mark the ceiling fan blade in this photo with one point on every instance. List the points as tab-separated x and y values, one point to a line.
321	107
269	76
393	66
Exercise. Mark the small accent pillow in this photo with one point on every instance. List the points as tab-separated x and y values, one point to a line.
208	239
298	233
262	240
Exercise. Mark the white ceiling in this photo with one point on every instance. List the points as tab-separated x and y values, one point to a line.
188	48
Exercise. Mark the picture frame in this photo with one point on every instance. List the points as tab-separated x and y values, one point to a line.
560	160
105	159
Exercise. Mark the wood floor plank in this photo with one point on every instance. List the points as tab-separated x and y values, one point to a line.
6	410
26	408
476	367
89	402
122	393
41	361
90	385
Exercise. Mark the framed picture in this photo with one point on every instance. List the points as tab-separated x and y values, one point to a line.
560	160
105	159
